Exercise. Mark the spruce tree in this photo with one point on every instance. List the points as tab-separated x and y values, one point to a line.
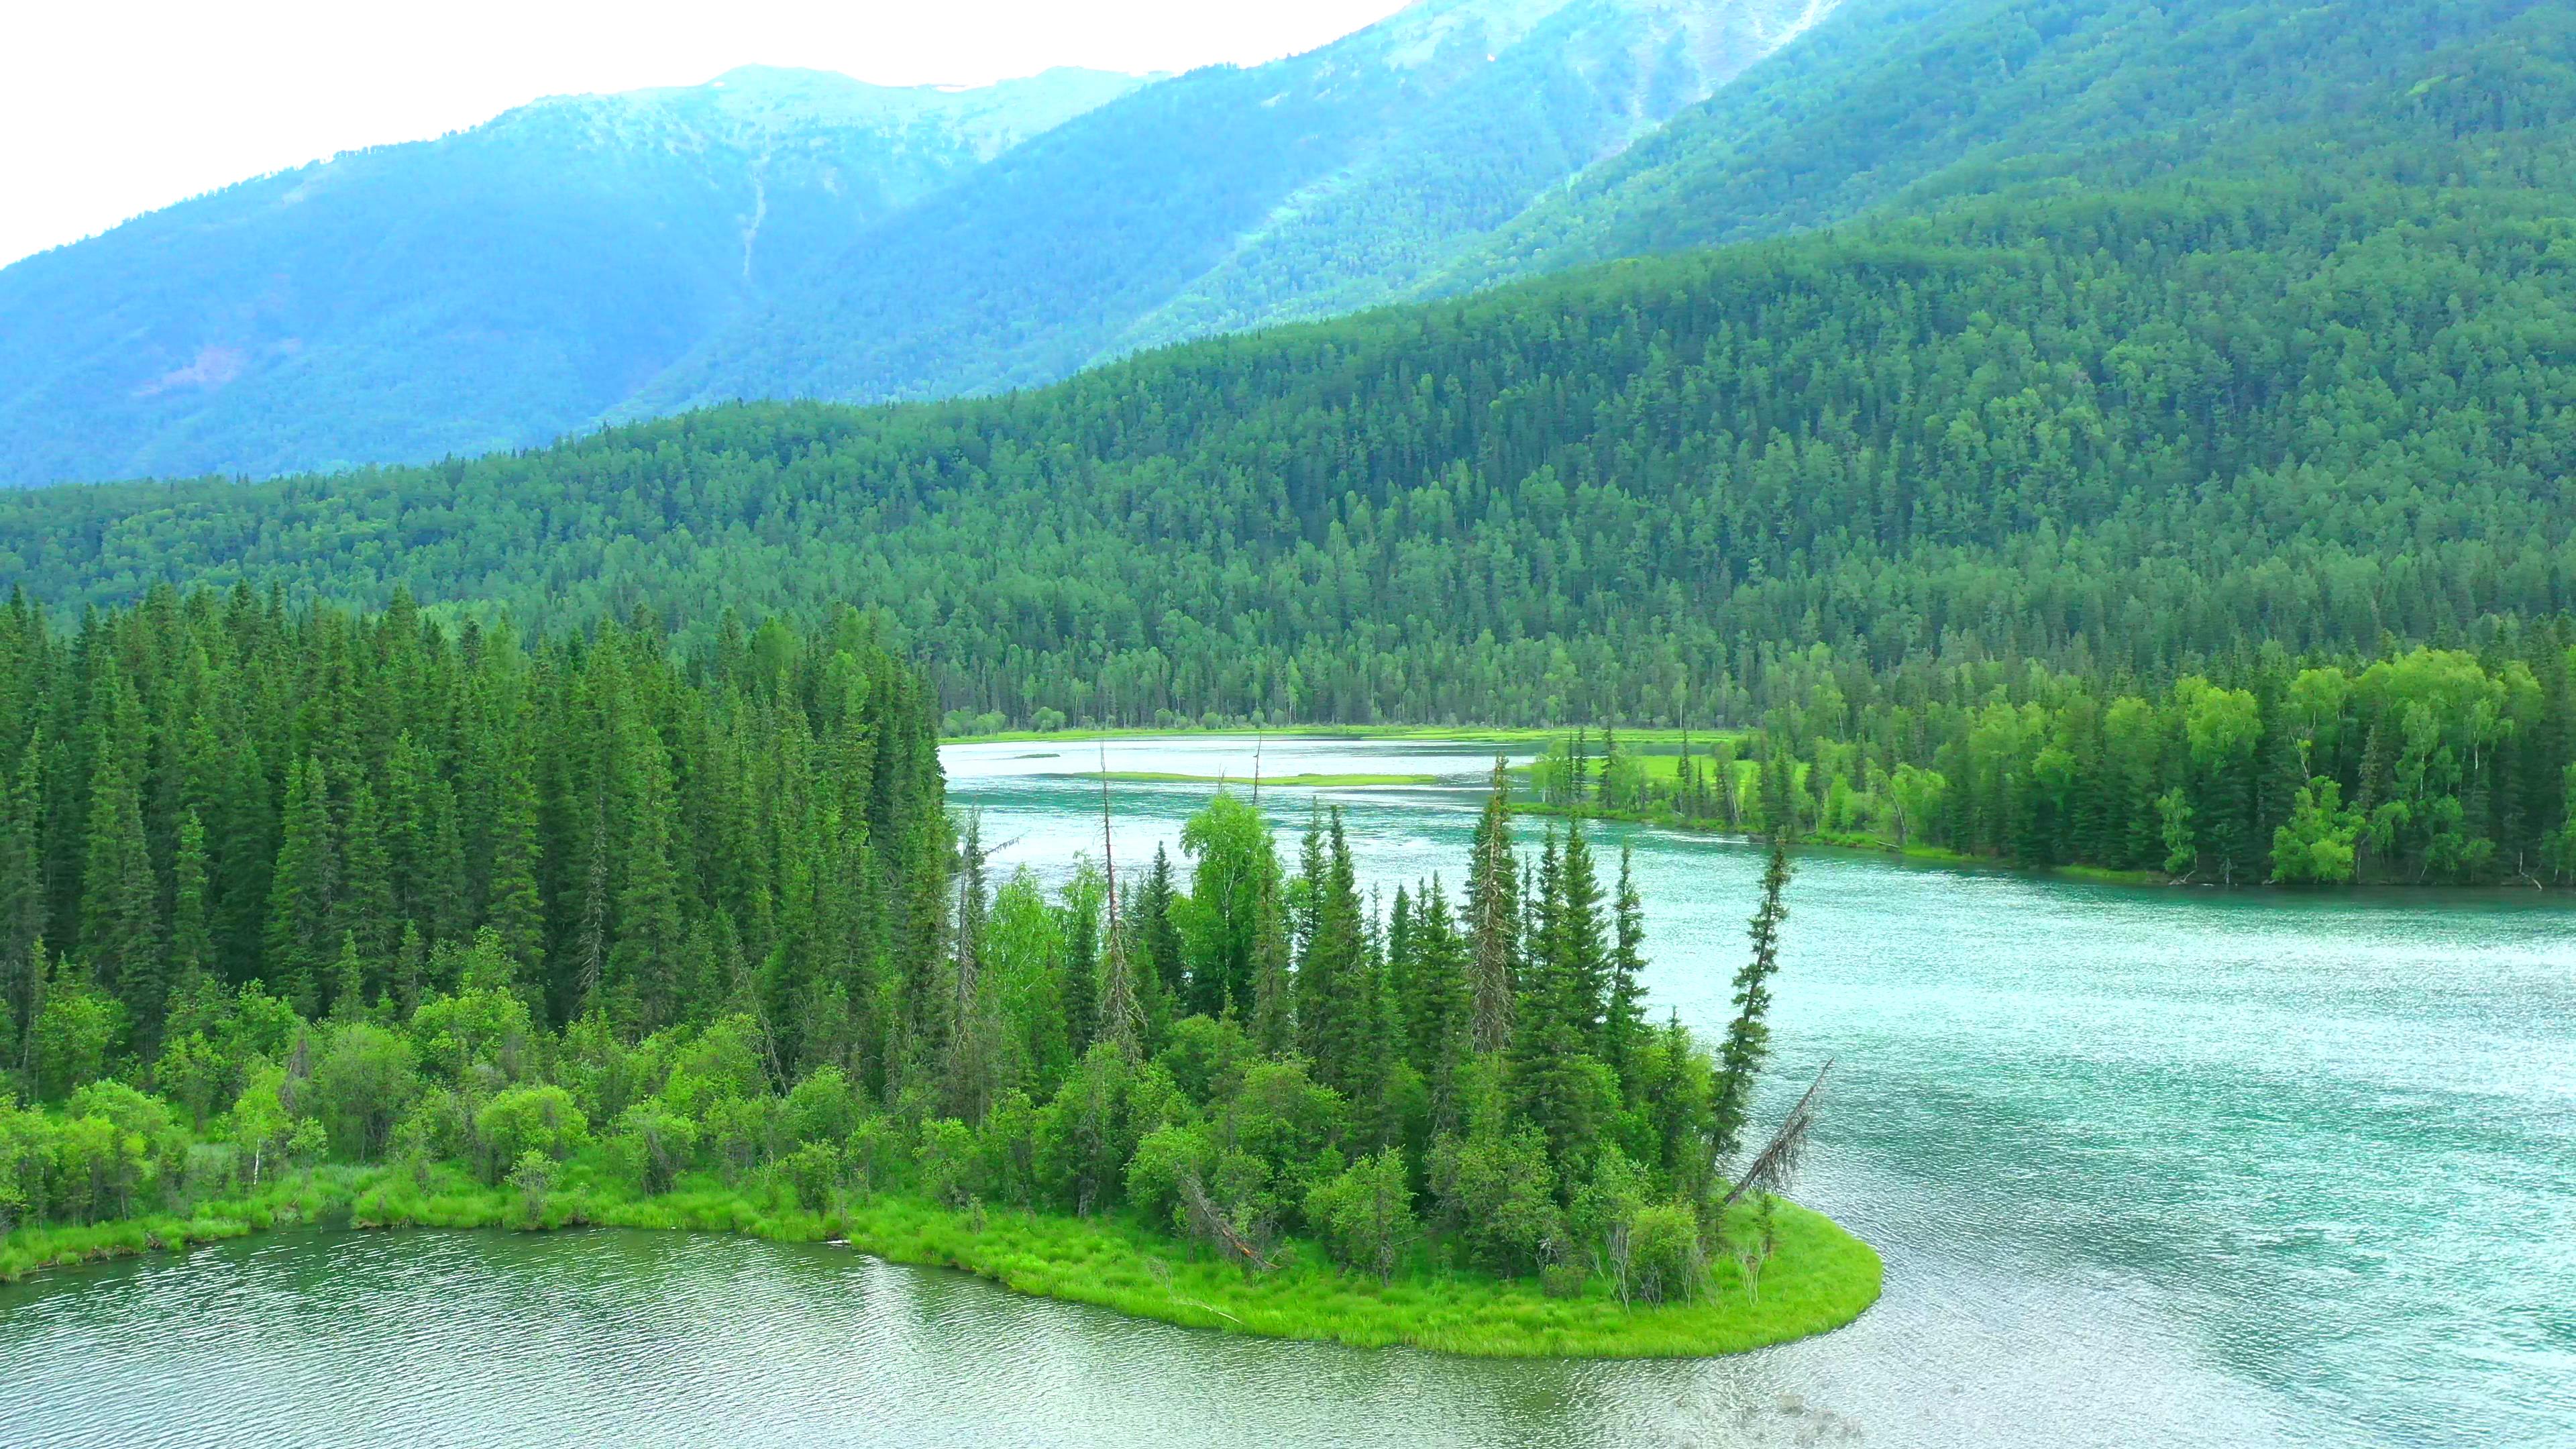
304	891
120	930
1166	961
1748	1035
192	946
1274	1010
1586	964
368	911
1440	1022
22	892
1551	1072
1493	918
514	910
1624	1031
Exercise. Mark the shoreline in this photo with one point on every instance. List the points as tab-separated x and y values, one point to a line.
1927	855
1823	1278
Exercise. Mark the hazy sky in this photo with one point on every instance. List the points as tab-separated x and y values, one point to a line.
109	108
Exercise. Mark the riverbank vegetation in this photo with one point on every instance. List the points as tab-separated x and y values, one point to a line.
1816	1278
2439	766
593	924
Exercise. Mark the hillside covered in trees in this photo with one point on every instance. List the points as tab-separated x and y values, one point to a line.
2111	433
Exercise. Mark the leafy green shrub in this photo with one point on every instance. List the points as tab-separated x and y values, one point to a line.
813	1172
529	1119
1665	1253
1366	1213
945	1160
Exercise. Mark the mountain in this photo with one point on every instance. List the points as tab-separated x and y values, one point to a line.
1905	104
491	289
2220	413
1230	198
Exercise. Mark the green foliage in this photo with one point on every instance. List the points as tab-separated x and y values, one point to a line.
75	1031
1499	1192
533	1175
2315	846
523	1120
2424	765
647	831
2128	433
656	1052
1667	1258
362	1085
1366	1214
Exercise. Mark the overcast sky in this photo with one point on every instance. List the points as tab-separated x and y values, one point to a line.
110	108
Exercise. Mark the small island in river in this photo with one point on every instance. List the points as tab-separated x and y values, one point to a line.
791	1000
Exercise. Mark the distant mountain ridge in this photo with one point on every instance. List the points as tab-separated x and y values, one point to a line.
1228	199
782	233
795	235
493	288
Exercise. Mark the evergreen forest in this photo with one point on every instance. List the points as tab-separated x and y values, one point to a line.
295	889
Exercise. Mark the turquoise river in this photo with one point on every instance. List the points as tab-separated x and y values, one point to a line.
2148	1167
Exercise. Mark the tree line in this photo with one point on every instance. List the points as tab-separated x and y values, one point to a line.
2427	765
290	887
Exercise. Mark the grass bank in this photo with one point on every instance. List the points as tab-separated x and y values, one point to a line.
1856	842
1315	782
1820	1278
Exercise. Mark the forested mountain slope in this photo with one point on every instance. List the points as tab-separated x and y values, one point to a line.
1905	103
490	289
1230	198
2112	432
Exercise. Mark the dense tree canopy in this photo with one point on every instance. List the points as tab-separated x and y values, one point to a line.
502	910
2114	433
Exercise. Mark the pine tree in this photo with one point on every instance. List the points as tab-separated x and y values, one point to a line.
1584	974
1274	1012
1399	956
1624	1032
1333	1005
1082	960
22	893
1550	1069
1748	1036
1166	961
120	928
304	891
514	910
1440	1024
645	963
1493	919
348	981
192	946
367	908
244	873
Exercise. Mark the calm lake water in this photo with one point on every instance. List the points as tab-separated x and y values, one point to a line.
2170	1167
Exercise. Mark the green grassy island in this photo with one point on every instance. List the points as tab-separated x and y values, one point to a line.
1817	1277
357	921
